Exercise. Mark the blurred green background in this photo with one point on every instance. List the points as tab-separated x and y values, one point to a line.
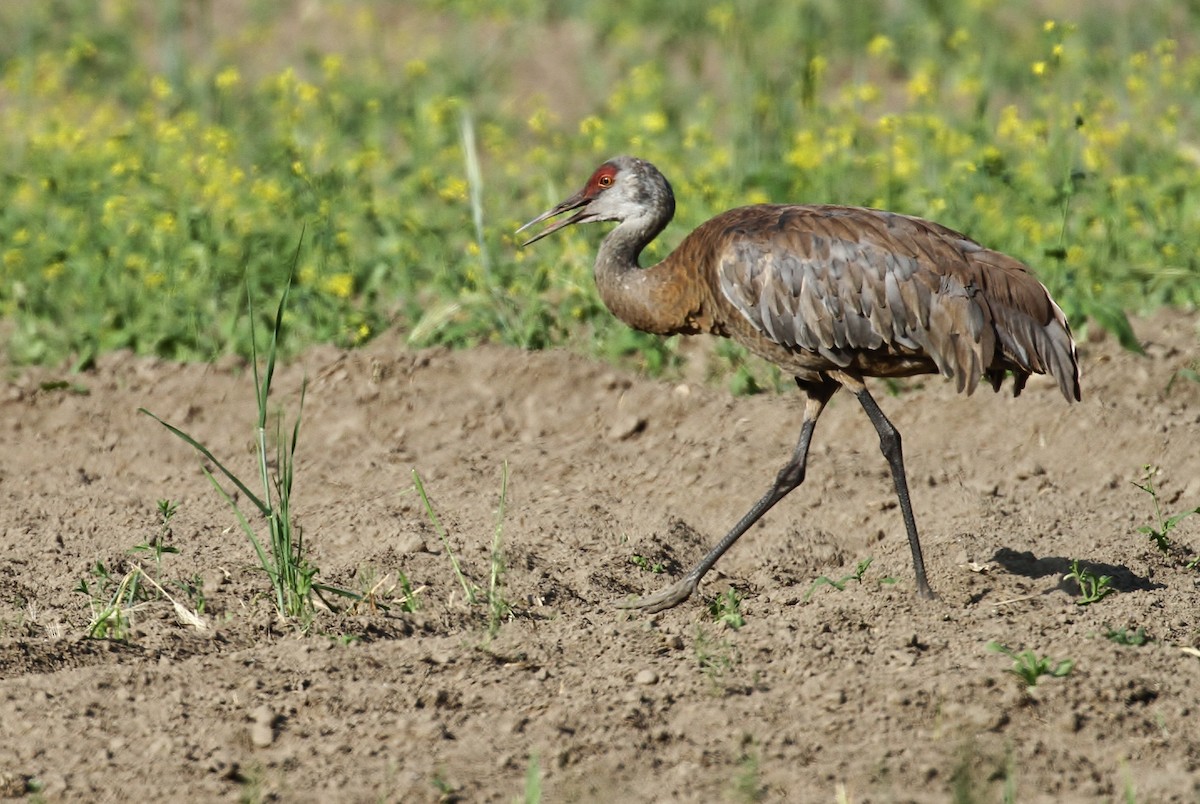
158	158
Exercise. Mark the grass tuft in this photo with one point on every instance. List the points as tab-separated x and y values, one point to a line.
282	557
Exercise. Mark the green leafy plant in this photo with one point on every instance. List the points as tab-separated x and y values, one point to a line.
470	590
157	547
747	785
112	600
1124	637
378	593
860	570
1092	588
1029	667
498	606
641	561
193	588
726	608
533	781
715	657
1160	529
283	557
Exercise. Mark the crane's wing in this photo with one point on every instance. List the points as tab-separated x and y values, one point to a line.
850	283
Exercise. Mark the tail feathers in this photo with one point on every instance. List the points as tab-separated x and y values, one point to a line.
1047	349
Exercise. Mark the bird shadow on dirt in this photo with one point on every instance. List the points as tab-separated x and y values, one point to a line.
1023	562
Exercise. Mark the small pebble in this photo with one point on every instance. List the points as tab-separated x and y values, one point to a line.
626	426
262	731
646	677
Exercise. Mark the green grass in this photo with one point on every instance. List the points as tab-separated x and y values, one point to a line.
726	608
860	569
1029	667
499	608
1159	530
282	556
1092	587
150	161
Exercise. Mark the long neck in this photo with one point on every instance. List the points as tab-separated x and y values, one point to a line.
656	299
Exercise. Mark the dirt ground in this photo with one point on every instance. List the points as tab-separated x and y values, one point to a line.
864	694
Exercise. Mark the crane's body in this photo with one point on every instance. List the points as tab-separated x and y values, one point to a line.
830	294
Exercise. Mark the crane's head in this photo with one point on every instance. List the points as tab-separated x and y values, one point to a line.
622	189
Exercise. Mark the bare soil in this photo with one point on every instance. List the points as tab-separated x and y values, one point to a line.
863	694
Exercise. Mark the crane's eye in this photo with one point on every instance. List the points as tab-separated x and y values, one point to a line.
605	181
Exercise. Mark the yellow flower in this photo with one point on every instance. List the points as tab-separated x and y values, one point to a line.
1039	68
306	92
721	17
227	78
806	151
540	120
454	189
160	87
920	85
880	46
338	285
331	65
164	222
866	92
415	68
654	122
817	65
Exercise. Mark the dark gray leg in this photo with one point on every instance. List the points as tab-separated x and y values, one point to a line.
889	444
789	477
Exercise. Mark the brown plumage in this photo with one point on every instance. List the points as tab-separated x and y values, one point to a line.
830	294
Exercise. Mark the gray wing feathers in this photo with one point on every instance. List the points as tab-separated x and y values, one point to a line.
881	283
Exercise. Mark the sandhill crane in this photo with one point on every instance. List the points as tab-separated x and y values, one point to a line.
830	294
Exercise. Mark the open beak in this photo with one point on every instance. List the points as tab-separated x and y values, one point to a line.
574	202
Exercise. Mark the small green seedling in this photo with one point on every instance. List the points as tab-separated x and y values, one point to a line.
157	547
112	600
1123	637
656	567
1159	532
715	657
470	590
727	608
498	607
1092	588
533	781
859	570
1029	667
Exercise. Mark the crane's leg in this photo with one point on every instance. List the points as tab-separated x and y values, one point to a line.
789	477
889	444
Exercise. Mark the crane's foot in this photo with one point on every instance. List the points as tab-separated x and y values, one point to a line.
668	598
